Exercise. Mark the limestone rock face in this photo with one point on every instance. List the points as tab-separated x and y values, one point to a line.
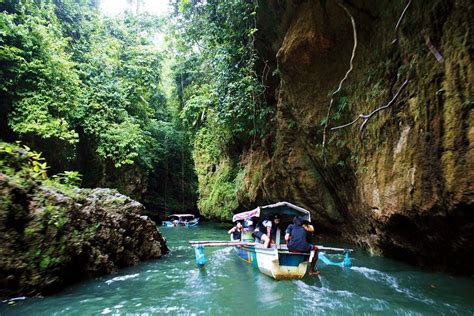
404	187
51	238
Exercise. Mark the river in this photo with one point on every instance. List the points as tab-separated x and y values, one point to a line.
175	285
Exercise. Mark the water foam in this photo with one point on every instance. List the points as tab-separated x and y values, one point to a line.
122	278
392	282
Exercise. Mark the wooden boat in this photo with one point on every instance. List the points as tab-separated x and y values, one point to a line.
277	261
188	220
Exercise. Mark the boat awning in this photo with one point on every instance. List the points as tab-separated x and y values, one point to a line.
281	208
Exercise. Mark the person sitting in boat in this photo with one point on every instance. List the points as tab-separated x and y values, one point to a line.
276	220
248	225
264	229
296	237
236	231
247	234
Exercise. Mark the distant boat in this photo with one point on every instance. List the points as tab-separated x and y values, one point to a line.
188	220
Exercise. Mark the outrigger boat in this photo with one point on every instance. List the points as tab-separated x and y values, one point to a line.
188	220
277	261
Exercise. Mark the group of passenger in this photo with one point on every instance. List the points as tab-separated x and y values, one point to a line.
296	235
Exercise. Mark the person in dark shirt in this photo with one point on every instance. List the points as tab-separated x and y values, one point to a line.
296	237
276	220
236	231
266	229
262	232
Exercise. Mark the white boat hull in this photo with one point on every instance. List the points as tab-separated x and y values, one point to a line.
276	263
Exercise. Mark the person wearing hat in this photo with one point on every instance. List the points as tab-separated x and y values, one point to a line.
296	237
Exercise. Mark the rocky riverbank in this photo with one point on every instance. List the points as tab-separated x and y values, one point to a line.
52	235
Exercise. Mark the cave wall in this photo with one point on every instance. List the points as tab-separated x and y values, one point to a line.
403	187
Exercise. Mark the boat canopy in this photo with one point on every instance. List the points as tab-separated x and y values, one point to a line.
281	208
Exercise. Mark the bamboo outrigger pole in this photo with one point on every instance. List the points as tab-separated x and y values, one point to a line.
216	243
225	243
334	249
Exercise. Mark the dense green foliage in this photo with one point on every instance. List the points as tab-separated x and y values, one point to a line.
91	85
216	173
68	71
215	69
37	73
219	94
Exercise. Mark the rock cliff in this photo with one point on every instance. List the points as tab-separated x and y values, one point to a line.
402	184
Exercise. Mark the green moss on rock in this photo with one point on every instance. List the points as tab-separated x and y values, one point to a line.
52	235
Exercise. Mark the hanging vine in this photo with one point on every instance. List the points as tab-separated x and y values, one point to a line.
366	117
395	39
351	66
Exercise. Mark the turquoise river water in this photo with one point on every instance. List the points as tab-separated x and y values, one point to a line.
228	286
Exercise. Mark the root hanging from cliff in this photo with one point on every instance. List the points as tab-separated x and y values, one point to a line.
395	39
351	66
366	117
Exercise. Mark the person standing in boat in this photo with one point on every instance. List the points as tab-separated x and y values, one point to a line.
236	231
296	236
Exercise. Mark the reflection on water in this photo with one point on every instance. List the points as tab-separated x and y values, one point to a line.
226	285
